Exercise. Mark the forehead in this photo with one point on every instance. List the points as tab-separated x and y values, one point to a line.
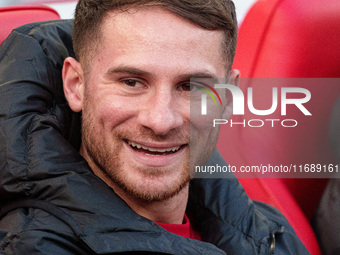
159	34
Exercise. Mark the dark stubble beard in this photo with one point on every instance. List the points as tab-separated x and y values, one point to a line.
104	155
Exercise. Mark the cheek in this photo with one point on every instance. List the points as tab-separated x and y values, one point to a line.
203	134
110	111
204	123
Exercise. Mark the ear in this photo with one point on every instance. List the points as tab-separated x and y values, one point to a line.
234	79
73	82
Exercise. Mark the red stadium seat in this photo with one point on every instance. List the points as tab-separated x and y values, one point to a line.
14	16
288	39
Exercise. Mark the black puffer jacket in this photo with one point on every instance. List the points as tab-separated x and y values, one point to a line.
51	202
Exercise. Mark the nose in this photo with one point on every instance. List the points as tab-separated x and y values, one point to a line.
161	113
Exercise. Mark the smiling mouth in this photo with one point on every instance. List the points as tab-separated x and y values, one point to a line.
153	151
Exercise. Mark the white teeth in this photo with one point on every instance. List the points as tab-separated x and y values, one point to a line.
173	149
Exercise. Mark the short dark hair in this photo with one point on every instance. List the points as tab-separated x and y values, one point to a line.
208	14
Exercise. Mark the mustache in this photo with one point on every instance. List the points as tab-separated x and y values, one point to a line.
147	134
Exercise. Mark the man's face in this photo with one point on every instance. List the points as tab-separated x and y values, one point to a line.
137	133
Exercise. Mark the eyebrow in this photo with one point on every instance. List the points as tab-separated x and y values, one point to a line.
139	72
127	70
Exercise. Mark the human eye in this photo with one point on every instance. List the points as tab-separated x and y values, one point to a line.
132	86
185	87
190	86
132	83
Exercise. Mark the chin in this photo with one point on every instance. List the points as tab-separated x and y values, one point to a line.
153	188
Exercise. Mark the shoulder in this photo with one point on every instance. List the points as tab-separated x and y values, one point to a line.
228	218
281	236
35	231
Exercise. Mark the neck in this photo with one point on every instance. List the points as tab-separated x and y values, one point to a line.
170	211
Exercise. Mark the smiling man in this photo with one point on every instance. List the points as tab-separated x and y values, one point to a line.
135	101
133	194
